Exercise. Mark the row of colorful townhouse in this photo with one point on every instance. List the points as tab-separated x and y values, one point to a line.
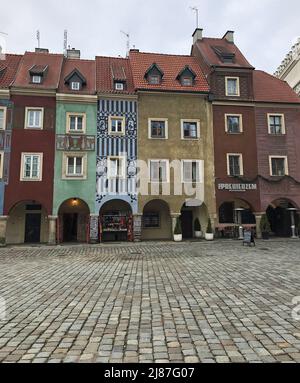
117	149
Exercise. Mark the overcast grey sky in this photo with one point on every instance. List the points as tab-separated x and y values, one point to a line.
264	29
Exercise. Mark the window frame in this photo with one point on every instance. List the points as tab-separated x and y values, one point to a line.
118	83
269	115
36	76
66	156
199	170
190	78
286	165
27	110
238	86
75	89
240	155
167	171
123	167
152	227
152	76
226	123
4	109
68	117
2	154
22	167
165	120
198	129
111	119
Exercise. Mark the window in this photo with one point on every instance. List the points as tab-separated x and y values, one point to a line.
119	86
151	220
154	80
37	79
31	167
190	171
276	124
158	128
34	118
234	165
74	166
2	118
159	171
190	129
76	122
278	166
1	164
234	123
187	81
75	85
116	125
116	167
232	86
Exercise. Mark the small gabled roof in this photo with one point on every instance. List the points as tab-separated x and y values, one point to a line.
85	69
171	65
151	68
8	69
39	70
112	69
268	88
75	72
187	68
39	60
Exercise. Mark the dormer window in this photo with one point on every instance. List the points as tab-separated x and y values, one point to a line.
75	85
154	75
187	76
119	86
37	79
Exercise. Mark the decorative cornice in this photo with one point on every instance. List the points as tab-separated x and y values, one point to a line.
290	59
33	92
275	180
4	93
77	98
106	96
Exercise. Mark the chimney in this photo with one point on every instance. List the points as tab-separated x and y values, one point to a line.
41	50
134	50
73	53
229	36
197	35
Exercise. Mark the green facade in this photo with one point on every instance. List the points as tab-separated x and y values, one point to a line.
81	189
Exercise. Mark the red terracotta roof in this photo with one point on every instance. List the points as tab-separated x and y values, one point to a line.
210	46
29	60
8	69
87	68
268	88
109	69
171	66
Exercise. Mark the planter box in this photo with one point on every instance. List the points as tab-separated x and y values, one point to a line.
209	237
177	237
198	234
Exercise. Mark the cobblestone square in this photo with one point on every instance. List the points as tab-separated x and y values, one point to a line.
151	302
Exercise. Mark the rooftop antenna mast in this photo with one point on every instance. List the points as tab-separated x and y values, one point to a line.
128	42
196	10
65	42
38	37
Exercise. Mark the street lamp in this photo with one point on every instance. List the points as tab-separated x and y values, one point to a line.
292	210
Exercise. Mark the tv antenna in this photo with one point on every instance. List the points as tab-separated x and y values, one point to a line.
196	10
128	42
38	37
65	42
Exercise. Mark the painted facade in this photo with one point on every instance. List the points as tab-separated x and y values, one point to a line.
76	115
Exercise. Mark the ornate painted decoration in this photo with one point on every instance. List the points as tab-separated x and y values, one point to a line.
75	143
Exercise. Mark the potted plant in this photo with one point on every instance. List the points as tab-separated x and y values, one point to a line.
197	228
265	227
209	236
178	231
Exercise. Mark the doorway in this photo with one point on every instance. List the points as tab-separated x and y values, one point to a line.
187	224
33	228
70	227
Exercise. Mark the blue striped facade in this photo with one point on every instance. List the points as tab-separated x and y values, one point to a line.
108	145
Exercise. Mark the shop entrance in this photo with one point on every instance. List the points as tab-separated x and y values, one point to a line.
116	222
33	228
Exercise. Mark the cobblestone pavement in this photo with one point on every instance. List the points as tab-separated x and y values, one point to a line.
151	302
